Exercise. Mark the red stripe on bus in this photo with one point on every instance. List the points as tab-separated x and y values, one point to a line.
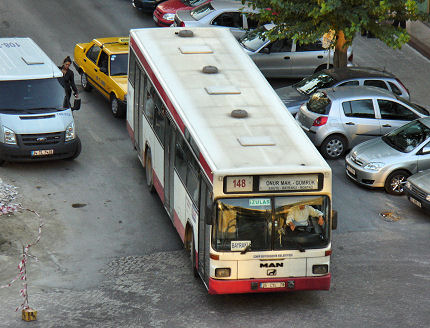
206	167
130	132
158	187
158	86
178	225
217	286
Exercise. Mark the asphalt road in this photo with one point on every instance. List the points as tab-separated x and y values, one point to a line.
110	257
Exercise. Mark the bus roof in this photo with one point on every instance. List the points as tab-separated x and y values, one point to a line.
267	141
22	59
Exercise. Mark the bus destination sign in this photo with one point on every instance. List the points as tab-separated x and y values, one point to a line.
289	182
239	184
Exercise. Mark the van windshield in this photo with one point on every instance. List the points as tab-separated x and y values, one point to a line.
24	95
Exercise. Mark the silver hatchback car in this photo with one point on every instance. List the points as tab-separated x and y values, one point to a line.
286	58
389	160
337	119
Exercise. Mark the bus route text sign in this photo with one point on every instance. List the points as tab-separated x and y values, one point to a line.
289	182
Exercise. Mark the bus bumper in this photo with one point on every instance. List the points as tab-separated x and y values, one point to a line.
217	286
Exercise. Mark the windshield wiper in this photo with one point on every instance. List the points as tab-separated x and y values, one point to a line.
246	249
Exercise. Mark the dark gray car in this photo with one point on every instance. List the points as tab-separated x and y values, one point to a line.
295	95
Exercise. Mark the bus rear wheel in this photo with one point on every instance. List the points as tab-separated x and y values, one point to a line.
192	250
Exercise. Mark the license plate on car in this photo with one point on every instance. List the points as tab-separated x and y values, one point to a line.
155	19
414	201
350	169
272	284
42	152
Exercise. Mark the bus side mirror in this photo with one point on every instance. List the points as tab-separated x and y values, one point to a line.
334	220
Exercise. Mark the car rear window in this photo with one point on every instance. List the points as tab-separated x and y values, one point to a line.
201	11
319	103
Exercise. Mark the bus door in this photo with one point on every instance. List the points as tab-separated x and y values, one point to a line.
204	229
169	159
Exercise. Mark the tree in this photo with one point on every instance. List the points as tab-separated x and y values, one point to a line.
307	20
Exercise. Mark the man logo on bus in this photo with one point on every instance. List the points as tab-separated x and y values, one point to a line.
271	265
271	272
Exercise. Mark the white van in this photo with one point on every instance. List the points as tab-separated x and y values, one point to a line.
34	125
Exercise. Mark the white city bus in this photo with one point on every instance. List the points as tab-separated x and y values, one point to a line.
229	163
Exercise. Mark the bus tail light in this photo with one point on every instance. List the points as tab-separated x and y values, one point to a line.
320	121
320	269
214	256
328	253
222	272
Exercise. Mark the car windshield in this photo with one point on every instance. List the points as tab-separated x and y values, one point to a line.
201	11
418	108
319	103
24	95
194	3
252	41
407	137
118	64
271	223
314	82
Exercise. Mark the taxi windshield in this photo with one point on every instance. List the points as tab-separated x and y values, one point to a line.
271	223
118	64
38	94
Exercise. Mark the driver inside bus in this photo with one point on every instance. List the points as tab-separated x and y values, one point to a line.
298	216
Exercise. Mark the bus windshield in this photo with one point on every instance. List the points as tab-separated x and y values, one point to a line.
271	223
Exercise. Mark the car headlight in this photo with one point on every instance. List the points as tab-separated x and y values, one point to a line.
9	136
70	132
169	17
408	185
374	166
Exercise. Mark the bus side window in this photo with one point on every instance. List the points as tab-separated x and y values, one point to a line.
149	105
159	123
132	64
193	182
180	162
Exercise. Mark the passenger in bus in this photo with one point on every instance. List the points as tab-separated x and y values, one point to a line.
298	216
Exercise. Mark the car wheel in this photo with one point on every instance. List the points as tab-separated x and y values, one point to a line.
395	182
321	67
116	107
148	171
84	82
77	152
333	147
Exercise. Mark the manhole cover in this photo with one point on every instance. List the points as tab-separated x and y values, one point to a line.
390	216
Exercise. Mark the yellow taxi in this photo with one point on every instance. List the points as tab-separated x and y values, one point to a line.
102	64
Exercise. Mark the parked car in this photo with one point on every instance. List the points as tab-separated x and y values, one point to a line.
286	58
295	95
146	5
389	160
231	14
337	119
417	188
164	13
102	64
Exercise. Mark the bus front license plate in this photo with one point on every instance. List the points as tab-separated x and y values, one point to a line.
272	284
42	152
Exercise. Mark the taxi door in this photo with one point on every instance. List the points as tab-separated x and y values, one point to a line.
91	68
102	74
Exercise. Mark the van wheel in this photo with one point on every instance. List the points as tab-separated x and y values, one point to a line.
77	152
148	171
84	82
333	146
395	182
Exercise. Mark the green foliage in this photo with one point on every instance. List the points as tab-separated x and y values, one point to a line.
308	20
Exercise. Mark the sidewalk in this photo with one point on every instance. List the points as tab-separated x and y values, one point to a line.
420	37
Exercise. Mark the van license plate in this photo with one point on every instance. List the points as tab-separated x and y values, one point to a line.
42	152
414	201
272	284
350	170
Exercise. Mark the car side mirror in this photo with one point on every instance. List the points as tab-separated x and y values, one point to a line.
334	220
76	104
265	50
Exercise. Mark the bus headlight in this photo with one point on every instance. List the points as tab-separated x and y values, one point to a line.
70	132
9	136
222	272
320	269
